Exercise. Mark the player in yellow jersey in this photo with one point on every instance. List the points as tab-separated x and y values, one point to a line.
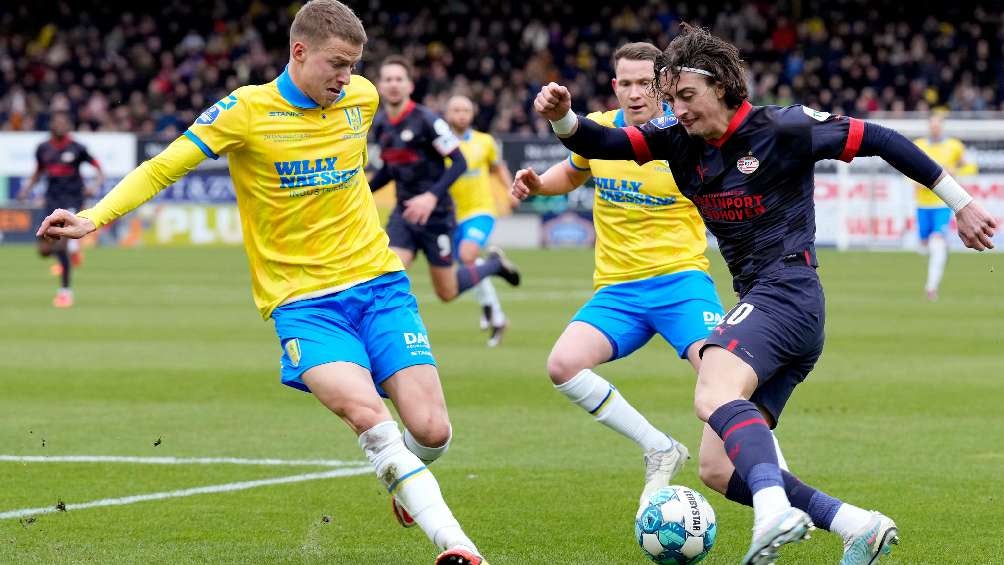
933	216
651	274
472	195
320	264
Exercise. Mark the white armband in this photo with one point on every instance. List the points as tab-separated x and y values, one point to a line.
566	125
952	193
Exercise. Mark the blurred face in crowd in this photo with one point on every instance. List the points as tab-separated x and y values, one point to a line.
633	88
698	105
60	124
394	84
322	69
937	125
460	113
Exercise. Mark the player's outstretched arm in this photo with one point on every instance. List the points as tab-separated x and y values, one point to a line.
976	225
582	135
559	178
142	184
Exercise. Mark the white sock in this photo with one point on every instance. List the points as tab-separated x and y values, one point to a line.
411	482
598	397
768	503
849	520
72	246
488	296
936	261
780	456
426	454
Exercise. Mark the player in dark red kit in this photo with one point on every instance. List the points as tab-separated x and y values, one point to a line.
59	159
414	143
749	170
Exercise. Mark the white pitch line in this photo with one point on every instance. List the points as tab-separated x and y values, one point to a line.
229	487
178	460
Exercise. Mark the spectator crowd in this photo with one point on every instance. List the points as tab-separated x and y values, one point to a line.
154	68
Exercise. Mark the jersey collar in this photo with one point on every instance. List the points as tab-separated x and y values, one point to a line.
292	93
620	122
734	123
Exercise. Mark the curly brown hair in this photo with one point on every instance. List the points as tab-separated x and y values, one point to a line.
696	48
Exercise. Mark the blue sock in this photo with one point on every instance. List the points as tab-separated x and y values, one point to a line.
820	506
748	443
470	275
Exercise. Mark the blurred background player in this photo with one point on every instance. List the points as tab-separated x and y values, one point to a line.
933	216
59	159
347	323
651	274
413	144
475	202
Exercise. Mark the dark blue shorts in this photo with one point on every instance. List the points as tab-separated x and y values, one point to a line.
777	329
435	238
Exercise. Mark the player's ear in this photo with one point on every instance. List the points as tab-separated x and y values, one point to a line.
298	51
613	83
719	90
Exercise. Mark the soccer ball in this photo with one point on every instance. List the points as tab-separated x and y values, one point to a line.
676	527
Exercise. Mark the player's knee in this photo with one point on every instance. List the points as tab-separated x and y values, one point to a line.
705	403
468	253
715	473
562	366
446	294
360	416
435	435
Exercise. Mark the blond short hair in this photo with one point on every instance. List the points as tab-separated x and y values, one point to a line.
319	20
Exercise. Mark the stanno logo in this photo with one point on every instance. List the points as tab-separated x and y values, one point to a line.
355	118
747	164
285	114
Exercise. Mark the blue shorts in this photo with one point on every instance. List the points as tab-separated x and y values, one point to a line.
777	329
933	220
476	228
681	307
375	325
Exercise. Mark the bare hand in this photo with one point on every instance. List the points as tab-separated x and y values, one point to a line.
553	101
976	226
417	209
63	223
525	184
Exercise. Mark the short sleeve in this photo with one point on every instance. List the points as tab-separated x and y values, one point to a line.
222	128
578	162
491	150
830	136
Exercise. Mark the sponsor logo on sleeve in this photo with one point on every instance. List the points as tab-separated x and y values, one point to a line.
213	112
663	122
815	114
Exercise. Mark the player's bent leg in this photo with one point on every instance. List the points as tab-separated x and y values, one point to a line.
444	282
418	395
347	390
724	383
580	348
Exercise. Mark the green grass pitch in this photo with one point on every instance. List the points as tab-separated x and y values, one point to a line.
903	414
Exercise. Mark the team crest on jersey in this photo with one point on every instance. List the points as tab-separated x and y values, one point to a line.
293	351
747	164
67	156
355	118
213	112
663	122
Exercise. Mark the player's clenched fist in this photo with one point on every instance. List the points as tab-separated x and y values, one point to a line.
63	223
553	101
525	184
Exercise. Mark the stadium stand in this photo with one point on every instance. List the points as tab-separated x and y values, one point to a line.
152	69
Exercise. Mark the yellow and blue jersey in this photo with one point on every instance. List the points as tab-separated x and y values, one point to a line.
472	192
948	152
309	223
644	226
